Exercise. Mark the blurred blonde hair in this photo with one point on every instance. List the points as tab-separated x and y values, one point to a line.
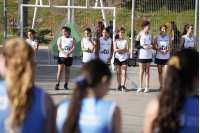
19	78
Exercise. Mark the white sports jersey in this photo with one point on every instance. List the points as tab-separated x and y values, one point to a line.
145	40
66	45
120	55
163	44
88	55
32	44
189	42
105	49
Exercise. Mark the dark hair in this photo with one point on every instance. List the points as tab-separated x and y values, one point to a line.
144	23
176	32
107	29
179	81
32	32
120	29
163	25
93	71
89	30
100	22
187	26
67	29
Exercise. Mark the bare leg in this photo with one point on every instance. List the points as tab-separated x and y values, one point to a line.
147	67
124	73
59	74
67	73
142	65
166	68
118	70
160	75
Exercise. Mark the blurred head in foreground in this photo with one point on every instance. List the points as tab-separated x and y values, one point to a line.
17	68
182	81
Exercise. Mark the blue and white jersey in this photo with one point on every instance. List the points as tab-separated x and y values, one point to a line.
34	119
105	49
88	55
189	118
66	45
95	116
120	55
189	42
163	44
145	40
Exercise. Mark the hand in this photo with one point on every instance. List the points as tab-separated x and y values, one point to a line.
150	47
146	47
108	60
162	52
35	49
66	55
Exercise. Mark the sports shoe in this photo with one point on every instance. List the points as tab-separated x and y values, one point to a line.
124	88
139	89
146	89
56	87
65	86
119	88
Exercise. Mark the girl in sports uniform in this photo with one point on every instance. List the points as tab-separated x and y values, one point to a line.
187	40
86	111
66	45
24	108
32	41
88	46
144	43
121	48
164	46
176	110
105	47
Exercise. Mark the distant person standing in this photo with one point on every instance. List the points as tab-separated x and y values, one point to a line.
164	46
33	42
88	46
111	29
66	45
144	43
98	31
187	40
176	37
13	23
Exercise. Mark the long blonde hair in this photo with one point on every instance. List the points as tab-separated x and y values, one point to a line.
19	78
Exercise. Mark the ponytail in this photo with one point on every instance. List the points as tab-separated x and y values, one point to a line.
187	26
89	77
20	78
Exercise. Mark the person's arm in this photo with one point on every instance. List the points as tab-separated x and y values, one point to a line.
59	47
150	115
97	32
181	43
151	46
98	48
93	44
194	48
111	53
154	46
82	46
73	47
116	121
137	43
126	50
50	110
36	46
171	45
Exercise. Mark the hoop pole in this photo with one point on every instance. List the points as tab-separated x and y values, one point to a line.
196	21
21	21
34	16
5	20
87	3
132	27
96	3
103	12
69	11
41	3
114	27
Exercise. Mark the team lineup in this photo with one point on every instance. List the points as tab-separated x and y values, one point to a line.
103	47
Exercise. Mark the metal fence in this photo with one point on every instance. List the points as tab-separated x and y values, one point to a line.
156	11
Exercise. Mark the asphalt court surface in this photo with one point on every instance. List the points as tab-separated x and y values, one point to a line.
131	103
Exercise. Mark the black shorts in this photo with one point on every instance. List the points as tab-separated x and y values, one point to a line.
144	60
67	61
120	63
161	61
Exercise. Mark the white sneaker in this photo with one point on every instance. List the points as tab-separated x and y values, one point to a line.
139	89
146	89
